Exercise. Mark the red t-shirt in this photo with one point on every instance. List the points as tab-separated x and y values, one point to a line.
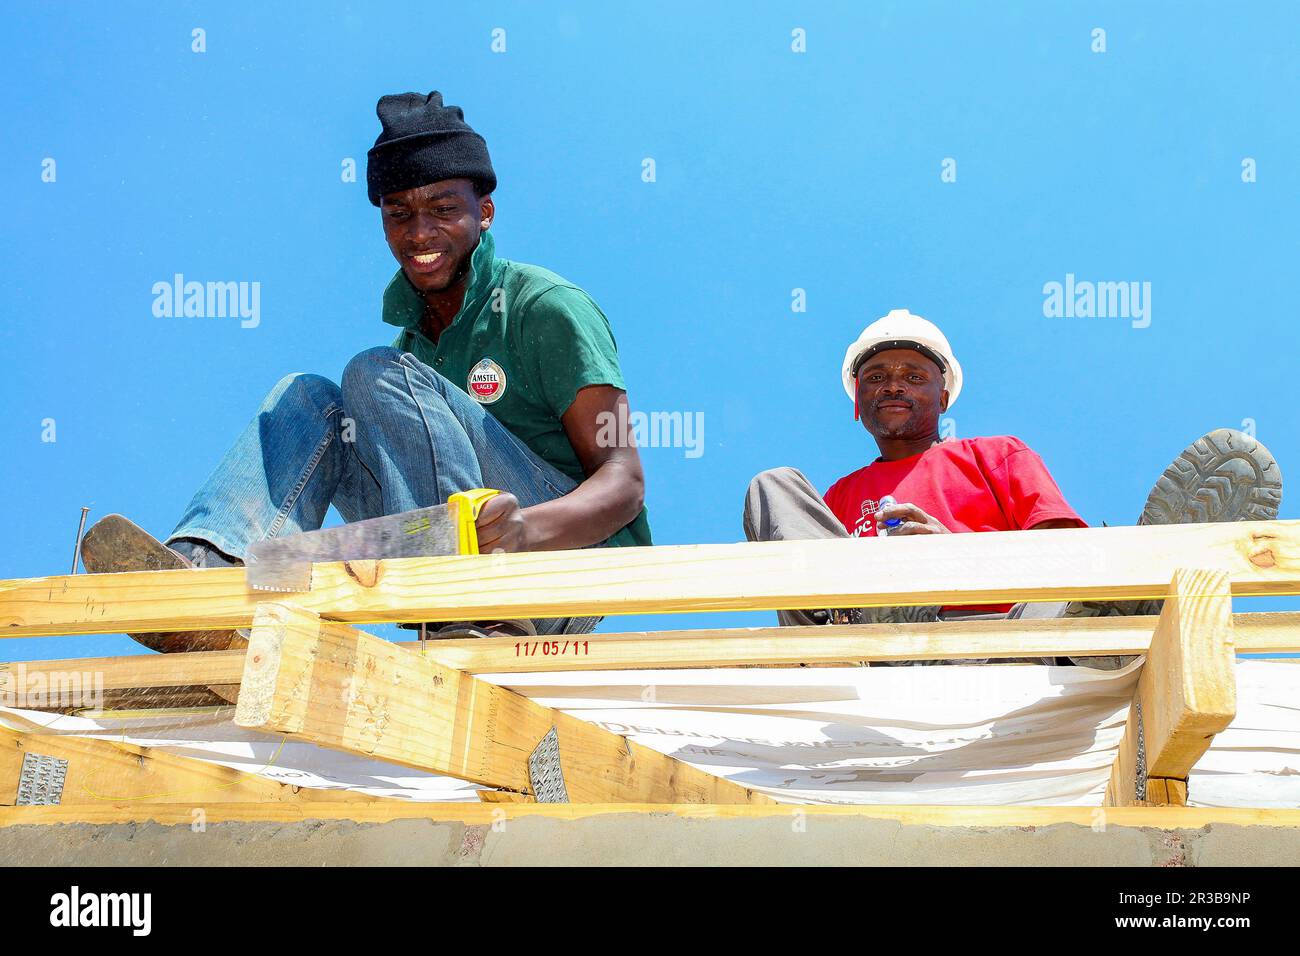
996	483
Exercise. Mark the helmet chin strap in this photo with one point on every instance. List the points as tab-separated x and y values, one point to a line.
855	398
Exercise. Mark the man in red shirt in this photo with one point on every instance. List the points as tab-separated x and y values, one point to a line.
902	375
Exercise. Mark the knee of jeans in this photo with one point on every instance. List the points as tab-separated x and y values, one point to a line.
366	369
315	390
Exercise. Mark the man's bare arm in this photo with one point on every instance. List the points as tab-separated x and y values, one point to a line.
609	498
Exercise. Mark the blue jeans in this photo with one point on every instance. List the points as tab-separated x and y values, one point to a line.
395	436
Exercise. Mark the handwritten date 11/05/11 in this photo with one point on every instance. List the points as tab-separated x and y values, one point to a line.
551	648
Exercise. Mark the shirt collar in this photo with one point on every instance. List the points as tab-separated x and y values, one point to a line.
404	306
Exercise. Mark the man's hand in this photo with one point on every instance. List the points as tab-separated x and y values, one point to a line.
501	525
915	521
608	498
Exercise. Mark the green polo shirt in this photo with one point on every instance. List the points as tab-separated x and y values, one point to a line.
523	344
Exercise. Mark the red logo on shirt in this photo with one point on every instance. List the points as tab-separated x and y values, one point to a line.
487	382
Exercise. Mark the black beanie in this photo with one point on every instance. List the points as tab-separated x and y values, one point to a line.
423	142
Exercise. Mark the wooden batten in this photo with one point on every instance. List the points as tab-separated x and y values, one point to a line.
1259	557
178	680
1186	693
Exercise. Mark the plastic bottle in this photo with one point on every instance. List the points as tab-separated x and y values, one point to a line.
882	529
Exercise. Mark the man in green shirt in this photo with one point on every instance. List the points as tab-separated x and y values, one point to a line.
503	375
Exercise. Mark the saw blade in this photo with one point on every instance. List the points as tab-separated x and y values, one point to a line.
284	564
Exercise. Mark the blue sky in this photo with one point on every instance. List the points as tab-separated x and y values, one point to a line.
775	171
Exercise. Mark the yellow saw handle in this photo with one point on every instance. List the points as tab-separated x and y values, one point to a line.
468	505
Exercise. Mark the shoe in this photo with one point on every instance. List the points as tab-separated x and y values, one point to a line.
876	615
1223	476
457	630
115	544
885	615
916	614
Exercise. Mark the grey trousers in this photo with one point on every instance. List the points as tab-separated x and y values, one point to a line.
782	505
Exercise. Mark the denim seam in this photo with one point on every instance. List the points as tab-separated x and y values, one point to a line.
283	515
536	466
213	538
428	429
410	363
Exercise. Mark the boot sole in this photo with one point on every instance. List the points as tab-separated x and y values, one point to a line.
115	545
1223	476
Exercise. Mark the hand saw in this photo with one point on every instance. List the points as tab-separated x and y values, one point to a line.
284	564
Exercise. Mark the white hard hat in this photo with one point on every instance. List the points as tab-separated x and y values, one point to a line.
902	329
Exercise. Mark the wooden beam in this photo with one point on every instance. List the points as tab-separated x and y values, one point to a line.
504	796
1259	557
1186	694
154	678
77	678
147	698
101	771
480	813
1259	632
338	687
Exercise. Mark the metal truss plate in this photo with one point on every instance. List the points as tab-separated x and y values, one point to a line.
1140	770
40	781
544	771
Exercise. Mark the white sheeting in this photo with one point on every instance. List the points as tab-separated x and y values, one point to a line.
1256	761
992	735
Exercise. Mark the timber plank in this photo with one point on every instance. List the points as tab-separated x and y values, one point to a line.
113	772
137	677
478	813
1186	693
338	687
1257	632
1260	557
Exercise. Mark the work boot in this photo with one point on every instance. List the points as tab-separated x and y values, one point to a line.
874	615
114	544
1224	476
883	615
454	630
